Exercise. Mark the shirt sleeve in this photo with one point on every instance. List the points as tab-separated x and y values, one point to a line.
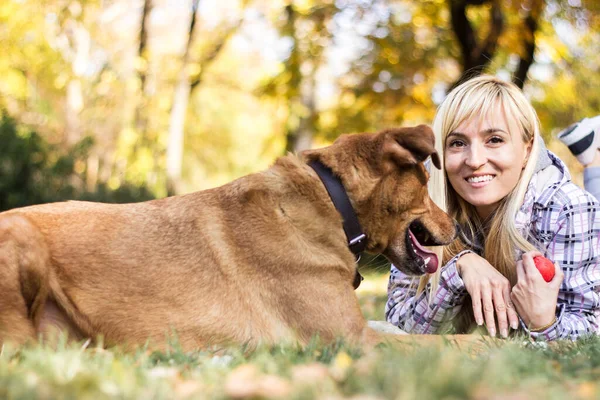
576	248
417	313
591	181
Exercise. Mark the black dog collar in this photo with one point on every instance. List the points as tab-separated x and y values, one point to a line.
357	240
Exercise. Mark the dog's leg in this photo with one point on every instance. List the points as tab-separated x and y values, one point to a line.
23	278
329	311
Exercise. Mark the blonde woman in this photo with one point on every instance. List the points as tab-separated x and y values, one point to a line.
514	200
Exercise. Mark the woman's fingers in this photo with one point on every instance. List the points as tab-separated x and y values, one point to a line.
501	310
559	275
529	267
534	253
488	309
520	271
515	298
511	312
476	302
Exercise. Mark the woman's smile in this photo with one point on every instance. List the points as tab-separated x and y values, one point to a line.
479	181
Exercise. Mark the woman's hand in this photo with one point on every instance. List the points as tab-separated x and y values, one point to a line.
489	291
534	298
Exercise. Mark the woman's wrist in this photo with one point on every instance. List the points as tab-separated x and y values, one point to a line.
543	327
459	264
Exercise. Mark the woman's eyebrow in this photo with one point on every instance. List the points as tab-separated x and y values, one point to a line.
485	131
493	130
456	133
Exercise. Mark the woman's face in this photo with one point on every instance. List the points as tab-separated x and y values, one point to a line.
484	159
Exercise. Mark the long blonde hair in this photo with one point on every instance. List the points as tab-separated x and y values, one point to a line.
476	98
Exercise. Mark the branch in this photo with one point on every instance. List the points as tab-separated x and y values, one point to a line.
142	53
211	55
496	28
191	29
530	24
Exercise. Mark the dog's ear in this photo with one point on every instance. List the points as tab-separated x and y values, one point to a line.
409	146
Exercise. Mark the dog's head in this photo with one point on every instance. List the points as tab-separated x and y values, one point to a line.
386	181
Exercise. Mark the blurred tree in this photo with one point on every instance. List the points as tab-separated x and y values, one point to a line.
33	171
108	69
307	27
179	111
416	52
74	42
190	77
405	57
141	123
477	54
569	70
32	71
303	64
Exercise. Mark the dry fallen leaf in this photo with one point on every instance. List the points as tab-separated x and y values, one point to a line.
587	390
309	373
242	382
340	366
246	382
187	388
272	386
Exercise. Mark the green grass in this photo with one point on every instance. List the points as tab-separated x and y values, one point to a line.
514	369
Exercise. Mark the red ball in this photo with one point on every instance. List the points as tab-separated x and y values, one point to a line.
545	266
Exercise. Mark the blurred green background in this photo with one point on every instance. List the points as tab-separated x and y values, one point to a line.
126	100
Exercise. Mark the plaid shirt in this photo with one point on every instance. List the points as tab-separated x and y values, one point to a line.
558	218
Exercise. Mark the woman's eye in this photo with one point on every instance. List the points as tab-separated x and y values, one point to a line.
456	143
496	140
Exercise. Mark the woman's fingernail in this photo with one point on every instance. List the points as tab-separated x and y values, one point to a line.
492	332
479	322
514	325
504	332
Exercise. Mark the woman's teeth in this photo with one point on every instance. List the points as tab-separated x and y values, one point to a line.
477	179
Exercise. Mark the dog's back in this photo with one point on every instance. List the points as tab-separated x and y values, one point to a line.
205	265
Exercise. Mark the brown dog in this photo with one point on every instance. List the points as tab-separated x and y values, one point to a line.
263	259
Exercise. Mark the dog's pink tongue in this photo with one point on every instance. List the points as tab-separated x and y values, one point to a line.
429	257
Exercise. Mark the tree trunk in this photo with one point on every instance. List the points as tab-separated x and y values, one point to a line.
303	85
178	111
142	69
176	130
475	56
301	138
74	105
79	49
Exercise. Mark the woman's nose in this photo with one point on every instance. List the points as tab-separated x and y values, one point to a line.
476	157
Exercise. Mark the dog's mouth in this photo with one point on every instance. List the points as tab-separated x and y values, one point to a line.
417	236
